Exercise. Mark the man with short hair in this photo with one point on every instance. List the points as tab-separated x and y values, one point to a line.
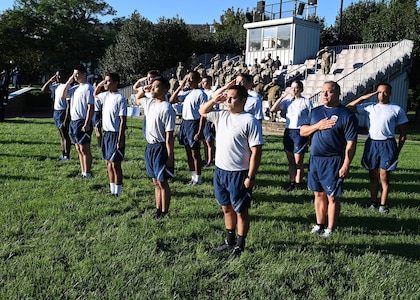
253	104
381	151
333	128
159	153
56	85
238	156
114	123
192	123
208	131
81	112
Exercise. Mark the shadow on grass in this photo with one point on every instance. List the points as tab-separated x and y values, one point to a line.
16	177
31	120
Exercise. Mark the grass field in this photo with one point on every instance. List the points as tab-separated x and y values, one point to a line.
64	237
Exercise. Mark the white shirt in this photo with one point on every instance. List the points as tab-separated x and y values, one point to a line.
80	96
113	105
383	118
297	111
160	119
236	134
191	102
59	102
253	105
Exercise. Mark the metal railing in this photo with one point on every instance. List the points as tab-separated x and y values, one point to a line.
352	83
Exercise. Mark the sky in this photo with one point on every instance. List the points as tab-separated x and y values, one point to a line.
203	11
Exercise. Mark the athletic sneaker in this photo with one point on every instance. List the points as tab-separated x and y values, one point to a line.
236	253
383	209
291	187
373	205
194	183
327	233
316	229
224	247
63	158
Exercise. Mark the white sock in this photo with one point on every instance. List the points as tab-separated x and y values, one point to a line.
112	187
193	175
118	188
198	178
83	173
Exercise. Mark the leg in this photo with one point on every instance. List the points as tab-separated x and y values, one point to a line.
292	166
189	158
374	185
158	196
118	174
384	175
243	222
196	157
230	217
206	150
334	206
86	159
299	167
80	154
65	141
321	205
111	173
162	195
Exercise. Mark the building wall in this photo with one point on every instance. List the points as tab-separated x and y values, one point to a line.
304	41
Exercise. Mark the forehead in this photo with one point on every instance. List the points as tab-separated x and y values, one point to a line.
328	87
156	83
383	88
232	93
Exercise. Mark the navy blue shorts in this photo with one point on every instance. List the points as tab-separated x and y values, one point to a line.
59	116
323	175
97	119
229	189
380	154
78	136
156	157
294	142
209	131
188	129
109	147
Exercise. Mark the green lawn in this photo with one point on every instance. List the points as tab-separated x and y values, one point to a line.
65	237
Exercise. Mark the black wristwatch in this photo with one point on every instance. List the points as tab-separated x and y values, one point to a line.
252	178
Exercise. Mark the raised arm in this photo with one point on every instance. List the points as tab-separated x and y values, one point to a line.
352	105
44	88
276	105
66	88
98	89
138	83
142	92
208	106
174	97
222	89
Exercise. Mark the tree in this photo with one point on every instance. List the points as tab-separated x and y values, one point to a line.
43	35
230	34
354	19
141	46
129	55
